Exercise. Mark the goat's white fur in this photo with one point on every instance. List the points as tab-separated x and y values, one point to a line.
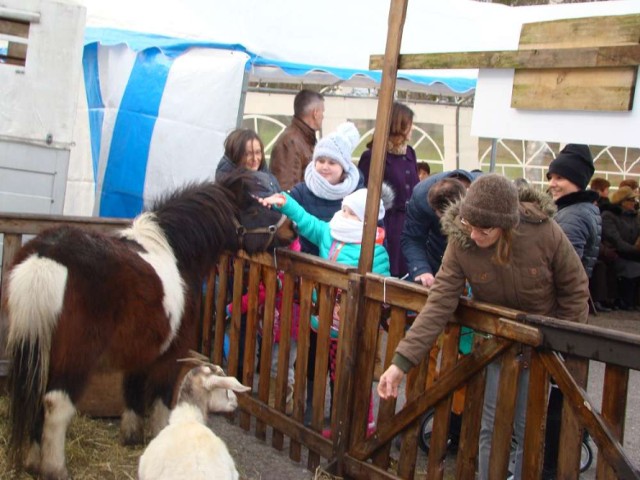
187	448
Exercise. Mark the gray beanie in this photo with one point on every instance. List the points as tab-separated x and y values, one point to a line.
339	145
491	201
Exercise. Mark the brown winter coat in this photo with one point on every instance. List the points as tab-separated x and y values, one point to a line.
292	153
544	276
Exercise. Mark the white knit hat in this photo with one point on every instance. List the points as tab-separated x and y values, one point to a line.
357	201
339	145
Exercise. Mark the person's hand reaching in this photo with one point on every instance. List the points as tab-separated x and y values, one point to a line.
276	199
389	382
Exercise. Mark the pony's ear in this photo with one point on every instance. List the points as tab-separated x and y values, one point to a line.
228	383
238	183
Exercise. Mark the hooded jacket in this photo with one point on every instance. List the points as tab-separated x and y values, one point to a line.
422	240
544	276
579	218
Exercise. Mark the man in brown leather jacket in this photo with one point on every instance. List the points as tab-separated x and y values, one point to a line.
292	151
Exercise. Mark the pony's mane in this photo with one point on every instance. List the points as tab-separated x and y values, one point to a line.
199	218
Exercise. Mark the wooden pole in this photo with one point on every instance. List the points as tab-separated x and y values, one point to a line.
397	15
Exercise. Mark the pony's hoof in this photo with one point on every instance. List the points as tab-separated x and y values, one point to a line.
131	429
57	474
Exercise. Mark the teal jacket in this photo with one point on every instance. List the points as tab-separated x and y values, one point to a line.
318	233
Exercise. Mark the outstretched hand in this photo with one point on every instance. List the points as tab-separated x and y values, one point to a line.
389	382
277	199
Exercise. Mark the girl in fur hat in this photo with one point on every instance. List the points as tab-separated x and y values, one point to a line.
506	245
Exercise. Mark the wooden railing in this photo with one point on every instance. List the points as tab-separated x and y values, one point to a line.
306	284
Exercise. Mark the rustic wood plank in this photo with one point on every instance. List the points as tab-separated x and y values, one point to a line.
574	89
397	15
534	434
578	88
345	372
286	319
470	431
364	371
505	413
33	224
581	405
234	331
207	313
539	58
407	461
294	430
266	349
597	343
440	432
466	368
578	32
221	314
614	406
386	409
571	431
325	300
300	386
11	245
250	336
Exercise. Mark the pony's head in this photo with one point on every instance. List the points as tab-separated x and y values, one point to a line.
257	228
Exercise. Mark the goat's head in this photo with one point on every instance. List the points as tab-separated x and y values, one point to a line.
207	387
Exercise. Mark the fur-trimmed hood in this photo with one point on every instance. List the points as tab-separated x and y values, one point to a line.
535	207
387	195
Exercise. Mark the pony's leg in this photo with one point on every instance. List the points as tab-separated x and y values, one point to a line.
159	417
132	421
58	412
33	456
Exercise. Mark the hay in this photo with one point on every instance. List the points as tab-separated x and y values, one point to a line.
93	449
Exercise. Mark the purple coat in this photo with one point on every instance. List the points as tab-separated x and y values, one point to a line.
401	173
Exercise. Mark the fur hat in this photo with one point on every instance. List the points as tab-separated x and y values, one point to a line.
575	163
622	194
339	145
491	201
357	201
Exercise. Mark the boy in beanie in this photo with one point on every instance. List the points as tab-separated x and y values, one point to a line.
579	217
505	244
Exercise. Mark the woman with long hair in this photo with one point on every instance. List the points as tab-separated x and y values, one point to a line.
401	173
505	244
243	148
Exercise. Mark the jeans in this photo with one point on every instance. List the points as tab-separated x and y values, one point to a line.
489	413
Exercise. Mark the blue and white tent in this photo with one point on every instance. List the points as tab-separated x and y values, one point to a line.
164	80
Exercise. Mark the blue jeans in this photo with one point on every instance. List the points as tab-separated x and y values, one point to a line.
489	414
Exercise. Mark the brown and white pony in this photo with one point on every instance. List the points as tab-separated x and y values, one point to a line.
78	298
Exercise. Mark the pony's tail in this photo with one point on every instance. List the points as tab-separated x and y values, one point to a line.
35	297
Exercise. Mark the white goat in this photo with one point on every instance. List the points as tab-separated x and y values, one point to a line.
186	448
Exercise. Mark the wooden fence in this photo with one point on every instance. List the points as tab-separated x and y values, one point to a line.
302	285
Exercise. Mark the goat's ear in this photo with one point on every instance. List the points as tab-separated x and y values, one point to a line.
229	383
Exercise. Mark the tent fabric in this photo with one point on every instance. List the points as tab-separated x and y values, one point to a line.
173	47
144	108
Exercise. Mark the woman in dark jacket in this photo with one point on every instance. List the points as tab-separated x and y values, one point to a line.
401	173
243	148
621	231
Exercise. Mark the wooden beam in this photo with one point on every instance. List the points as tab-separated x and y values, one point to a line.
397	15
591	57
